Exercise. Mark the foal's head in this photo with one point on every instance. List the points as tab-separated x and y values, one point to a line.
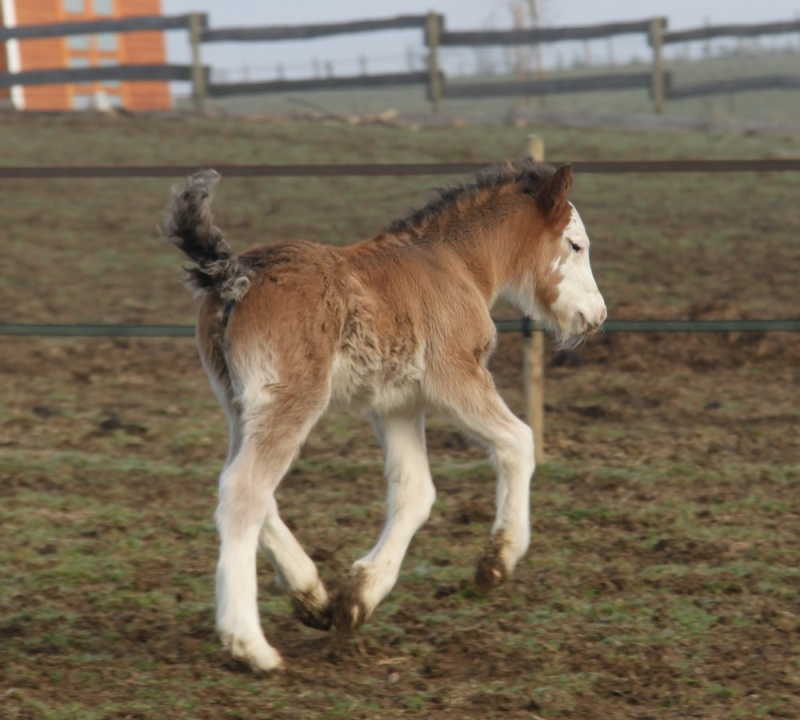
553	279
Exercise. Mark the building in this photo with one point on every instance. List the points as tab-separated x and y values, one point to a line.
80	51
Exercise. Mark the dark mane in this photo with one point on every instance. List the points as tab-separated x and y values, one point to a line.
526	174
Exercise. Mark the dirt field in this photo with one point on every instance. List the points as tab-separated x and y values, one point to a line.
662	580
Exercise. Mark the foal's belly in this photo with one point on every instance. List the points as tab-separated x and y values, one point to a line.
371	381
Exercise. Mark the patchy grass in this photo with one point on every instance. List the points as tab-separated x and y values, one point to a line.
662	578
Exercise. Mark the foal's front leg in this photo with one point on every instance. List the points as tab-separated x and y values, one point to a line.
410	497
475	405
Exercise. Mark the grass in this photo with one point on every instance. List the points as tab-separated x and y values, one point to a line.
662	577
90	563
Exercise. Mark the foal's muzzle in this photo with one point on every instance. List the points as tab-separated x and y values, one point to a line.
589	325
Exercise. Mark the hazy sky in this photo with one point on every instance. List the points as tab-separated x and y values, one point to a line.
389	51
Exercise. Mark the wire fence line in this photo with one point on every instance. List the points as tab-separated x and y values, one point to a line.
524	326
90	172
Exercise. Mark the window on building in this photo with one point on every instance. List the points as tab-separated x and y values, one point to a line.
78	42
82	101
78	62
107	42
75	7
103	7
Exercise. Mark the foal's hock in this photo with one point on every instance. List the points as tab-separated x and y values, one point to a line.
392	326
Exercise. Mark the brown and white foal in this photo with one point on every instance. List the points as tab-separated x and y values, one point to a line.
394	326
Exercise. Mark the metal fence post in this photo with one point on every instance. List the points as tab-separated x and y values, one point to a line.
197	23
533	353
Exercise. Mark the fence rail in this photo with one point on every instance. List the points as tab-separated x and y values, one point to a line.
436	37
551	86
98	74
307	32
717	31
217	90
725	87
532	36
143	23
604	167
613	326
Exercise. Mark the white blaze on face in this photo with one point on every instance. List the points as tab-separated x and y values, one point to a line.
580	306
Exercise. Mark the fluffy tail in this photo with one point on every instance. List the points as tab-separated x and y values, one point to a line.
189	226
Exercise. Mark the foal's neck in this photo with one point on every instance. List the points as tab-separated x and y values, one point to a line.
490	238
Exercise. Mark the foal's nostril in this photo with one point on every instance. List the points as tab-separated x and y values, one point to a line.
590	326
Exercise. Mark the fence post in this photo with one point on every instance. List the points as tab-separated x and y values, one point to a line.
533	353
197	23
656	39
433	29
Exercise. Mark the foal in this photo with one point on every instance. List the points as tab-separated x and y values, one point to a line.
394	325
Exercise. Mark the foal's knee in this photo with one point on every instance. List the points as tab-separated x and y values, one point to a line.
515	451
415	500
425	498
239	509
526	445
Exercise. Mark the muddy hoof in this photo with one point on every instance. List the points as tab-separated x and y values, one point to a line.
347	607
489	573
319	618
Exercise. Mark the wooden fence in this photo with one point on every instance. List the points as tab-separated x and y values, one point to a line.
657	81
57	76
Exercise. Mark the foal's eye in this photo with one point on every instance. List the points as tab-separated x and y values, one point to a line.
575	247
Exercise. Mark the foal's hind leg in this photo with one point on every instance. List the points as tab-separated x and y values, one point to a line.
272	431
474	404
296	572
410	497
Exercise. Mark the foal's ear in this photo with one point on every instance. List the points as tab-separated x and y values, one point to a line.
554	195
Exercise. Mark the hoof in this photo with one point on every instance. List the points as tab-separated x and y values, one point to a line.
491	571
347	606
257	654
311	614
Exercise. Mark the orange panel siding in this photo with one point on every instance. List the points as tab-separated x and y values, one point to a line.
130	8
125	49
31	12
5	93
42	54
144	49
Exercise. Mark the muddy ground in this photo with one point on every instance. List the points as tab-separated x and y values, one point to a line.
662	580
